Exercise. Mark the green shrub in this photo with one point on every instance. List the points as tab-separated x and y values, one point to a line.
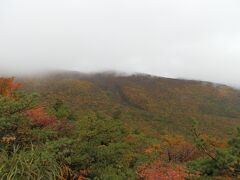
29	164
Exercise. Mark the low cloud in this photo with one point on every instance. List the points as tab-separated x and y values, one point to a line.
174	38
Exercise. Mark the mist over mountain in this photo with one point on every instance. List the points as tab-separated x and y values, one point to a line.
174	38
156	101
119	90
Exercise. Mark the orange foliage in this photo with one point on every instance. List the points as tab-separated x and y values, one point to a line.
177	149
158	170
40	117
214	142
8	86
153	148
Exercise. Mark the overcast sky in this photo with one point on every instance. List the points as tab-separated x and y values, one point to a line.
194	39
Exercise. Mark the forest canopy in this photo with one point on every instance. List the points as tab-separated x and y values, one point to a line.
42	140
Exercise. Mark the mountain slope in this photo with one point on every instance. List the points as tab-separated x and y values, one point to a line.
151	104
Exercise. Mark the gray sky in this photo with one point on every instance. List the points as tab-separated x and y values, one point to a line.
195	39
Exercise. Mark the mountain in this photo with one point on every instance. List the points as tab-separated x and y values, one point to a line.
154	105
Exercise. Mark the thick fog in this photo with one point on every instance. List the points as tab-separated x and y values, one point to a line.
194	39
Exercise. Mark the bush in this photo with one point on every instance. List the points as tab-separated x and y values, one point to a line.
29	164
219	161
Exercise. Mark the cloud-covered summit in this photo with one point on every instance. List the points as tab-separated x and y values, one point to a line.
175	38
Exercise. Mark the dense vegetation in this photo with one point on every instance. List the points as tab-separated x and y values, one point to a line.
39	142
152	104
117	127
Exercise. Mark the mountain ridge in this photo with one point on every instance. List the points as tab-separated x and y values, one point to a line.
144	100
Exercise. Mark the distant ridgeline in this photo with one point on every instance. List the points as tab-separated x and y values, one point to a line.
108	126
153	104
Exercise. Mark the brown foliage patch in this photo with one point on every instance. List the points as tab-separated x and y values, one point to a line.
161	171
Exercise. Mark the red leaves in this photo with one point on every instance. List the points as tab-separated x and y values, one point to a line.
8	86
39	117
158	170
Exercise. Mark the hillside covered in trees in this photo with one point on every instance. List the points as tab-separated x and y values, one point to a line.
148	102
70	125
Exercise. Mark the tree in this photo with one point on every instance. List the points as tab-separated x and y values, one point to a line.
62	111
100	149
39	117
13	121
8	86
219	160
22	152
177	149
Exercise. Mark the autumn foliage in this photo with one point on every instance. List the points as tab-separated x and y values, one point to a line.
177	149
8	86
116	128
163	171
39	117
